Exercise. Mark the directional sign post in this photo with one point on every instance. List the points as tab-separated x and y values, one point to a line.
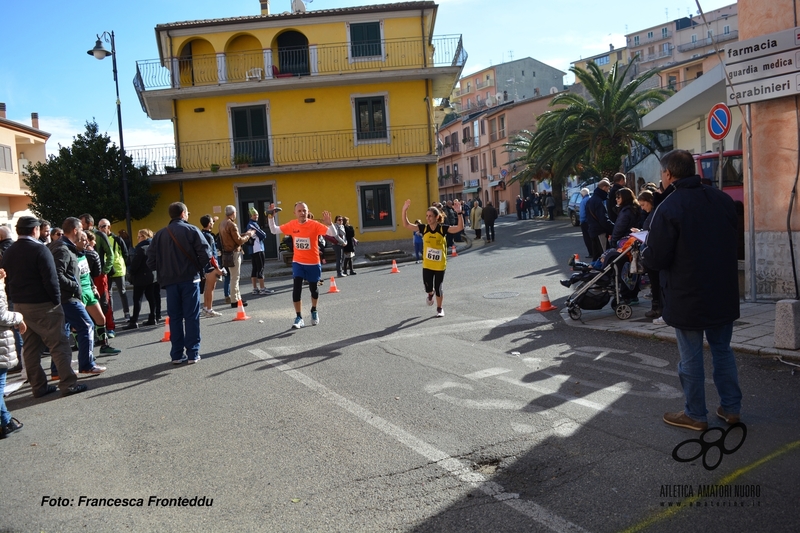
719	125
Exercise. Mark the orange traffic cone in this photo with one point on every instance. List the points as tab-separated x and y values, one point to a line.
333	286
165	338
395	270
240	314
545	305
453	253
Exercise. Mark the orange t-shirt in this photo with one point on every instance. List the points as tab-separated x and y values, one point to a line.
305	240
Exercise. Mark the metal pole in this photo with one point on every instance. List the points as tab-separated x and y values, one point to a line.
751	216
719	165
121	142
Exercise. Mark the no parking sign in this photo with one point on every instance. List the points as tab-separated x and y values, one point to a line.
719	122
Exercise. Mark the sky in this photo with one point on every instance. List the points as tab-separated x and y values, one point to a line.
45	67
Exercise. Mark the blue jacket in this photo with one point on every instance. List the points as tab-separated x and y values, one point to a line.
596	214
582	207
170	263
693	242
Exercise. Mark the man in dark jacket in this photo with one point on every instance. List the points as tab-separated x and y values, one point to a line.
69	274
699	283
600	227
611	202
33	285
489	215
178	254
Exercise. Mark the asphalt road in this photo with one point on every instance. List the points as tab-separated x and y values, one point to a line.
385	418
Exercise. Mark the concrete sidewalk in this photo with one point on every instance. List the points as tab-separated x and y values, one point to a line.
752	333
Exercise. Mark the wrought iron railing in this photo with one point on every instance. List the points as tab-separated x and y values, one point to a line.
268	64
277	150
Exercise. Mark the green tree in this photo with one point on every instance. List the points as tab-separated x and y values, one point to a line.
588	136
87	178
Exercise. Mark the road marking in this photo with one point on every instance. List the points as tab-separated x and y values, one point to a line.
648	360
488	373
615	392
437	388
461	470
664	391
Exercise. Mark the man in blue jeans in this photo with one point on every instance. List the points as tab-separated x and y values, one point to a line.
69	275
178	254
699	283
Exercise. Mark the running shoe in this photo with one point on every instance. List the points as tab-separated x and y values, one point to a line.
314	318
267	291
193	361
210	313
256	292
439	312
298	323
429	299
108	350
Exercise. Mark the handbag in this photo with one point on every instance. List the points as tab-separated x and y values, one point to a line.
227	259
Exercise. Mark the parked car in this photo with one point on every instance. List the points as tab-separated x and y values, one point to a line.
574	208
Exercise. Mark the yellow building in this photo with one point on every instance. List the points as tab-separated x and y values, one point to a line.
19	145
331	107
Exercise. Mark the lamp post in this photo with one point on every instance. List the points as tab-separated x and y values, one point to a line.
99	52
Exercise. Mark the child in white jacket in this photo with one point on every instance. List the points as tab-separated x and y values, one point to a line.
8	356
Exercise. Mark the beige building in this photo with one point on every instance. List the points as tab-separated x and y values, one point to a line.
678	47
20	145
514	80
606	60
473	161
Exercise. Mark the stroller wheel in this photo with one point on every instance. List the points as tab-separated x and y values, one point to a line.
623	311
574	312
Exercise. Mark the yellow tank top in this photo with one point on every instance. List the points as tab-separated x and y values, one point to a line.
434	247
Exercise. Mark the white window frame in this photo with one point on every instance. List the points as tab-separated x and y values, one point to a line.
359	185
385	95
726	30
6	158
352	59
636	41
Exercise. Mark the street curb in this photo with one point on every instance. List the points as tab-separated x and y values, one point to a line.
670	337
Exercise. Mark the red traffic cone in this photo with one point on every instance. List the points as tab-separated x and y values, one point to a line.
333	288
545	305
395	270
454	253
165	338
240	314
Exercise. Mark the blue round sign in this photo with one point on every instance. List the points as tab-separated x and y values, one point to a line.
719	121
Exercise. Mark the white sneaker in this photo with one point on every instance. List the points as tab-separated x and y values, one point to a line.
659	321
210	313
298	323
256	292
440	312
267	291
314	318
429	299
204	313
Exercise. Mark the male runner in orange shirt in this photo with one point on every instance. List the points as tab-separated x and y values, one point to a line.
305	260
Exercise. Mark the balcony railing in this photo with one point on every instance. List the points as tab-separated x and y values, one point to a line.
484	83
449	149
313	60
708	41
277	150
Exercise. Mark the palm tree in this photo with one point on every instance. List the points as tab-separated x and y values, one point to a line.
588	135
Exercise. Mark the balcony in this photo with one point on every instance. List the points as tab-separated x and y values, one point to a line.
267	154
449	149
701	43
159	81
658	55
482	84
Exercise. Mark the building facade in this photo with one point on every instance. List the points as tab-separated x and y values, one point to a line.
513	80
20	145
474	160
331	107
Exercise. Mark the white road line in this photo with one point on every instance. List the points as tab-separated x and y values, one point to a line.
489	372
461	470
616	391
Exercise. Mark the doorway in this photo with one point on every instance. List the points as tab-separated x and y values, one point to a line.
258	197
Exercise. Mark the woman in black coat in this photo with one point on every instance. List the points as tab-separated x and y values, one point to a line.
348	250
628	217
144	283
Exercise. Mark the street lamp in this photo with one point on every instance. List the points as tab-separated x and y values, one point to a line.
99	52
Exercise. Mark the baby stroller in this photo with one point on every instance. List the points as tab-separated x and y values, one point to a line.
616	280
